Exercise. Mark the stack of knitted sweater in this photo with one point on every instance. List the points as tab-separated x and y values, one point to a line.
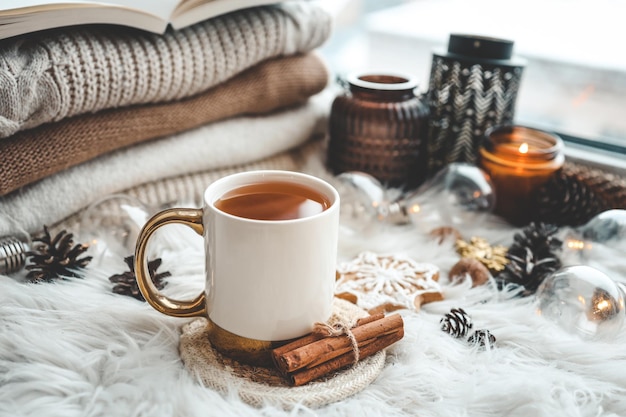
92	111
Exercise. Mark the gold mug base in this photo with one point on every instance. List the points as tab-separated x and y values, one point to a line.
242	349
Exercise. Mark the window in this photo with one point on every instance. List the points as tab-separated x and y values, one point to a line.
574	82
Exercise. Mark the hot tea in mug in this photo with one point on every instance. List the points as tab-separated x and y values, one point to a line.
271	244
273	201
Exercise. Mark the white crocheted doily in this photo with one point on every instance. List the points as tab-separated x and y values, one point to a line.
264	386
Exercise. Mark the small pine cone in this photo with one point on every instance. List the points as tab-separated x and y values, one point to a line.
483	338
531	257
55	257
540	237
126	282
528	270
456	323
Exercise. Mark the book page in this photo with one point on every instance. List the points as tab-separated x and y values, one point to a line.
160	8
194	11
19	17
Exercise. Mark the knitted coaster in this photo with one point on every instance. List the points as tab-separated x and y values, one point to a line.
264	386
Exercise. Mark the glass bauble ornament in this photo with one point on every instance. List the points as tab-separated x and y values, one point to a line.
461	193
606	227
582	300
363	200
111	225
605	232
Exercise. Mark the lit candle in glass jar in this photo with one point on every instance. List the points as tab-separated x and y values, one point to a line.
519	160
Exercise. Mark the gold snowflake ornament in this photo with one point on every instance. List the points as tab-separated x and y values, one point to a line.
493	257
387	282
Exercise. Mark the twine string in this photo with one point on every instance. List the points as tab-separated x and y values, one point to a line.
337	329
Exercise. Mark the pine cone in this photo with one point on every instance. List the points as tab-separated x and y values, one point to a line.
456	323
611	188
578	193
566	200
126	283
539	237
55	257
483	338
531	257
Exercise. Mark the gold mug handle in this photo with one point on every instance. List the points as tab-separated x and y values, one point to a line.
166	305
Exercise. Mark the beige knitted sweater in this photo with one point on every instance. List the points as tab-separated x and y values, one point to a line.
219	146
33	154
75	71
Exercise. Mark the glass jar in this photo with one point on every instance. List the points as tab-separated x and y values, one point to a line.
519	161
378	126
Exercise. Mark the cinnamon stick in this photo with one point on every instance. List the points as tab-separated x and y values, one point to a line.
369	319
303	341
325	349
339	352
309	374
312	337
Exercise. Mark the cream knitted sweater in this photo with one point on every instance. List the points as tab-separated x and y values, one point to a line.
215	146
75	71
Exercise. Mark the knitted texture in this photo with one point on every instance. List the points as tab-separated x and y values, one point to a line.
188	189
79	70
223	144
263	386
36	153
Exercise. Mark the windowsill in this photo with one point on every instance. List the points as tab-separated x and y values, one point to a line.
607	161
563	93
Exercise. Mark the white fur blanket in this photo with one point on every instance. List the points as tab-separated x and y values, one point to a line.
73	348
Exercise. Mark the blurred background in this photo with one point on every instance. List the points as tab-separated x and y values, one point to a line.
574	82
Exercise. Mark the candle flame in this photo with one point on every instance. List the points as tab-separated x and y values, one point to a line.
523	148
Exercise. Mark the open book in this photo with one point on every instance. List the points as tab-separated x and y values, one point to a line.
24	16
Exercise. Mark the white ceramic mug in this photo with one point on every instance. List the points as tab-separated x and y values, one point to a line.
267	281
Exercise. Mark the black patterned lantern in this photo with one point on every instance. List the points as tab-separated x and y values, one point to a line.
473	86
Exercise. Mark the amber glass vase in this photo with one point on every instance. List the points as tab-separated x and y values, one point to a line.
378	126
